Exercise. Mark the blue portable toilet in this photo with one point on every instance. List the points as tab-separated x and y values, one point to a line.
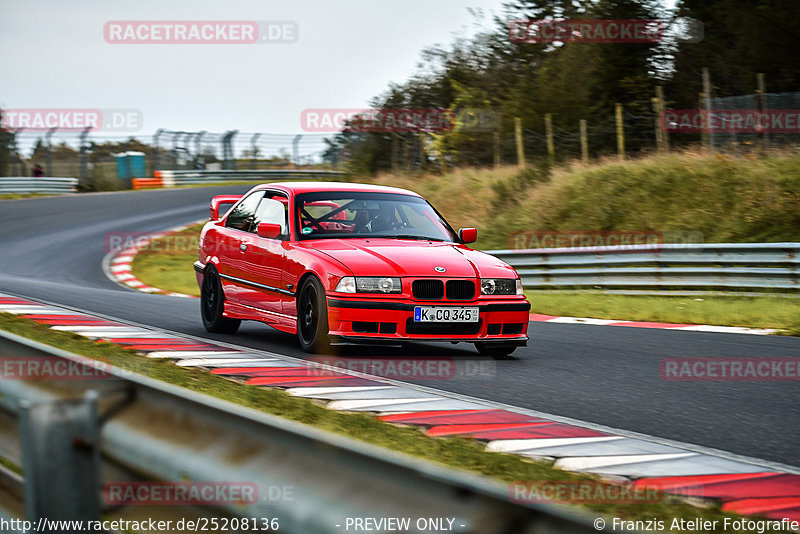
131	164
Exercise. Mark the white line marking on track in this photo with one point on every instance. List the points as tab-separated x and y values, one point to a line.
513	445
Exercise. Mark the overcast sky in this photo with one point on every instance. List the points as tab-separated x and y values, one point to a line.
53	54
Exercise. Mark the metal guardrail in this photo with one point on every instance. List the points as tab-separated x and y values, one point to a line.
49	185
709	265
206	176
188	177
130	427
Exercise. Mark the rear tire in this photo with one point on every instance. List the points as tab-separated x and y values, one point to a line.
212	305
312	316
496	351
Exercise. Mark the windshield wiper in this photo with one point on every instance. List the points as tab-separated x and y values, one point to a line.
409	236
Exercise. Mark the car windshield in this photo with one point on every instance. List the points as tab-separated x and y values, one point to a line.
361	215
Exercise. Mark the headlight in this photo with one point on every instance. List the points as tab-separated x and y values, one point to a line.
499	286
369	284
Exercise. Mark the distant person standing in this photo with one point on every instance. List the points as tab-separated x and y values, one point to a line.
38	171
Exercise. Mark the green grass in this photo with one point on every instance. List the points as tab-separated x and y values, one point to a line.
167	263
782	313
721	198
455	452
14	196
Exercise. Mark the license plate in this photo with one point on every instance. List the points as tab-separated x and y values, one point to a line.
441	314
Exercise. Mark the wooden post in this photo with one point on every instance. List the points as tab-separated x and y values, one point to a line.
498	129
662	127
407	153
548	130
662	138
704	131
763	138
620	131
395	152
421	141
584	142
520	144
654	104
707	107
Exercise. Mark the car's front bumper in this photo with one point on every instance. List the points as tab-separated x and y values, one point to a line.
363	321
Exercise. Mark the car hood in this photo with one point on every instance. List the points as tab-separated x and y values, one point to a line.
399	257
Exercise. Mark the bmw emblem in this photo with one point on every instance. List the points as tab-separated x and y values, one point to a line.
439	269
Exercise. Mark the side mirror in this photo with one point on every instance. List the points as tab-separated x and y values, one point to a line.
268	230
218	201
468	235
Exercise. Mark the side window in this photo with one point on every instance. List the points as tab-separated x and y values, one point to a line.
272	210
242	216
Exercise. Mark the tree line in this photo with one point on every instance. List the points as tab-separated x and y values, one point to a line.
579	80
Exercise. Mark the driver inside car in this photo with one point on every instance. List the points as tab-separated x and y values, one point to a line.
381	221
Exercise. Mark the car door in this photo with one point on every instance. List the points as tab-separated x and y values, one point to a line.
232	244
263	259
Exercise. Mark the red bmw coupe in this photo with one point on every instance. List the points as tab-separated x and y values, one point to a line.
353	263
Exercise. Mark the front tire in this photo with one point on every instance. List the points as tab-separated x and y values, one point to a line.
496	351
312	316
212	305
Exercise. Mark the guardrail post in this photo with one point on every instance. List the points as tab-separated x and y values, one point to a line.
61	460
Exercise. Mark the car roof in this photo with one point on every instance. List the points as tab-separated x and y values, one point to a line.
311	187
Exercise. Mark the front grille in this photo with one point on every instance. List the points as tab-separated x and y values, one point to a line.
442	329
460	289
427	289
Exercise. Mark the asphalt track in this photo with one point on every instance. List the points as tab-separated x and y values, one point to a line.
52	248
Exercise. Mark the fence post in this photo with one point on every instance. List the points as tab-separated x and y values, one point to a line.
662	137
394	153
406	154
296	149
422	157
763	138
707	106
84	159
156	154
253	151
620	131
497	140
520	145
548	131
584	142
